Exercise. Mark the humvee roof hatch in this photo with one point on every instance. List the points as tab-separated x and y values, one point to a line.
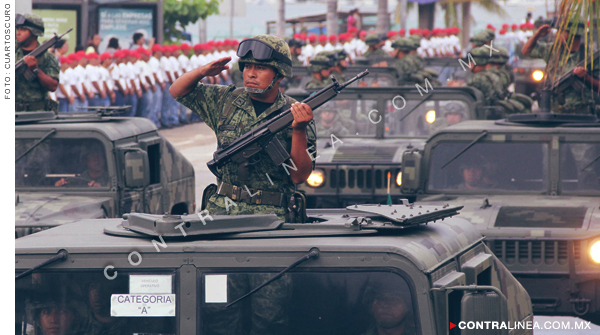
359	217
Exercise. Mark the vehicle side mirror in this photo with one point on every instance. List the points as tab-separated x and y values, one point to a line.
481	306
411	170
137	169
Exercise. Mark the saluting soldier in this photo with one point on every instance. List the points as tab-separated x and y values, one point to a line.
570	100
31	94
262	187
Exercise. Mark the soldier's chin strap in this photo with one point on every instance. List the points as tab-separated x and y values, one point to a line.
260	91
27	40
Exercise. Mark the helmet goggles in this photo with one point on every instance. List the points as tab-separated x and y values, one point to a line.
21	21
261	51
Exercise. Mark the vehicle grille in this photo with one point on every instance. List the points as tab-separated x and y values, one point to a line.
377	155
362	178
534	252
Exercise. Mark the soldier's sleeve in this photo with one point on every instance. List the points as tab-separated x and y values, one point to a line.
207	101
540	50
50	66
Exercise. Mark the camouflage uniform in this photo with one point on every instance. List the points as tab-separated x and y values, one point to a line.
335	57
405	65
372	40
318	63
210	101
32	93
339	123
485	81
569	101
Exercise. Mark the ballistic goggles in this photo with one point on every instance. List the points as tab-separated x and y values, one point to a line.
261	51
21	21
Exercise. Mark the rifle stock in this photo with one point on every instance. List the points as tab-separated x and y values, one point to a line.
262	138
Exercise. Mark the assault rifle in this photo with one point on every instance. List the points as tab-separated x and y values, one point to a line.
21	67
569	79
263	137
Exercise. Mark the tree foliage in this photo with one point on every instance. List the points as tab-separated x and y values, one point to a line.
185	12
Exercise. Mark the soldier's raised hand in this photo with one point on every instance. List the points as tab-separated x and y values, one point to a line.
579	71
216	67
544	30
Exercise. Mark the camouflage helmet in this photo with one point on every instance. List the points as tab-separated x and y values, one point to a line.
416	40
372	39
480	38
454	107
284	68
403	44
481	55
320	62
31	22
342	54
499	57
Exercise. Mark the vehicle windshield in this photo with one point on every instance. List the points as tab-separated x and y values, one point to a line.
89	303
488	167
404	120
61	163
580	167
327	303
347	118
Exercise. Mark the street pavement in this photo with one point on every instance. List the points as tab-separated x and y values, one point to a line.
197	142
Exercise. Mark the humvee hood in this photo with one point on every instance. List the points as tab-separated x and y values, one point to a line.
528	216
45	209
364	150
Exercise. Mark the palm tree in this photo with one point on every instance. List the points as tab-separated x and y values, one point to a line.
383	18
451	12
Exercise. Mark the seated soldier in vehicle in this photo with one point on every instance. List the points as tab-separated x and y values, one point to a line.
391	309
474	172
320	67
95	175
57	312
454	112
330	122
99	321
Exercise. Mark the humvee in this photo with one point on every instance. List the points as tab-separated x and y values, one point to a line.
531	184
380	123
57	157
346	272
378	77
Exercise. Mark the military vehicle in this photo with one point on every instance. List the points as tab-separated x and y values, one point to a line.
88	165
530	183
378	77
343	273
373	127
